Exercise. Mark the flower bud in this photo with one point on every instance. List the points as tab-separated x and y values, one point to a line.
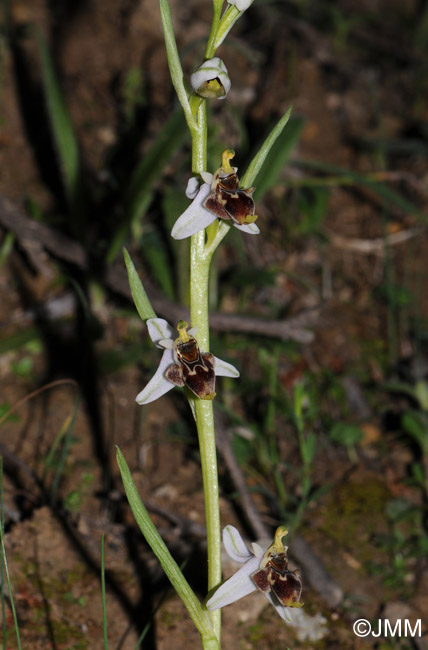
242	5
211	79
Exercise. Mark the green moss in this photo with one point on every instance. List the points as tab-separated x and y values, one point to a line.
170	619
354	514
64	588
256	633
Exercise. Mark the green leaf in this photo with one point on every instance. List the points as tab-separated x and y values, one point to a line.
132	94
156	256
273	154
174	64
62	128
345	434
112	360
421	392
343	176
4	409
312	203
401	387
138	194
6	247
251	277
396	295
5	572
18	340
418	474
139	295
308	449
199	616
416	425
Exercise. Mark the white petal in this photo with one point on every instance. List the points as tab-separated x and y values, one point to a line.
168	344
238	586
207	177
191	401
224	369
234	545
195	218
249	228
159	329
159	384
282	611
192	187
257	550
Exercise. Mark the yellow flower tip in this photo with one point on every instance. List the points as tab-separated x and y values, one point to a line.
182	331
281	532
250	218
213	89
227	155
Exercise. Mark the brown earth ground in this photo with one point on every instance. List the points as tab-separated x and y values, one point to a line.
356	88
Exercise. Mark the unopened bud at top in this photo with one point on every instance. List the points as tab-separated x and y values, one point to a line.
211	79
242	5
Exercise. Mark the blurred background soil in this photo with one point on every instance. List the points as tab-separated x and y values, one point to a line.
340	264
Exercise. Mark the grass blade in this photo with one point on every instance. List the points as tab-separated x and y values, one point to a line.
2	598
3	561
273	154
103	593
62	128
66	435
343	176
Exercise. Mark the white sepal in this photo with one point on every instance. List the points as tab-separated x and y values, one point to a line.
249	228
236	587
159	329
159	384
195	218
224	369
234	545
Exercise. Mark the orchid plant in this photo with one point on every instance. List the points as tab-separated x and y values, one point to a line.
219	200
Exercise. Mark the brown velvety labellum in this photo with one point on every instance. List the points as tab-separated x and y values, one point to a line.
276	577
193	369
228	202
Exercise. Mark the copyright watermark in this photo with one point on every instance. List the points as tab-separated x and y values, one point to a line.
383	627
362	627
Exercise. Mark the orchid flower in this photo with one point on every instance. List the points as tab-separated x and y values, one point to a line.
264	570
182	363
211	80
217	197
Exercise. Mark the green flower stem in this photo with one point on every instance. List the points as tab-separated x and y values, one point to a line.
200	259
227	21
199	275
199	134
199	615
219	234
206	435
210	49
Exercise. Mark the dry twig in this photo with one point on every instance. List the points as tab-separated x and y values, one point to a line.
35	238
